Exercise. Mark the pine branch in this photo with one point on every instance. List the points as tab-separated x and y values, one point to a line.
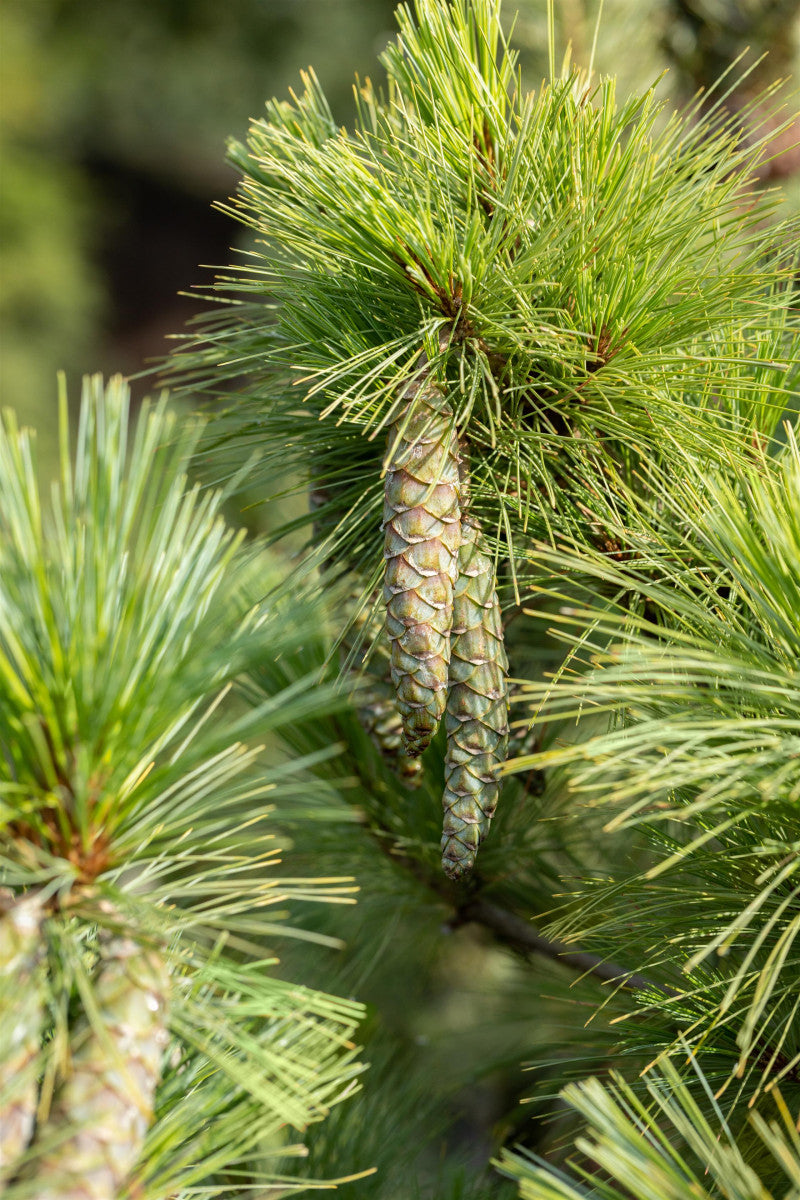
701	751
22	995
95	1130
507	926
663	1146
522	936
600	309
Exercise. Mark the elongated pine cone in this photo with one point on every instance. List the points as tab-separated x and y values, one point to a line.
422	525
376	705
477	707
21	1014
377	711
105	1105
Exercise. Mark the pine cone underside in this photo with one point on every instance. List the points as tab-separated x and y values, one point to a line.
422	526
477	708
380	718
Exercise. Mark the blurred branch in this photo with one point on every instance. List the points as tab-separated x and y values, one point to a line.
508	928
523	937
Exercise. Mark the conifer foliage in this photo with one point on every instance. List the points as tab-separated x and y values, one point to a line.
579	295
535	358
145	1047
551	277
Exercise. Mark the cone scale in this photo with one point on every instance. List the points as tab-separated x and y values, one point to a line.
477	707
422	527
370	681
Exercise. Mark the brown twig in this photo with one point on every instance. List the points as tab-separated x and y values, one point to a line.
509	928
523	937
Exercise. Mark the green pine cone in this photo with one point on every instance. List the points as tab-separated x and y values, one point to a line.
477	707
375	700
364	638
105	1105
377	711
422	524
21	1012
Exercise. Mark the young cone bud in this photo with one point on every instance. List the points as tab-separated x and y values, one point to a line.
477	707
97	1125
422	523
21	1011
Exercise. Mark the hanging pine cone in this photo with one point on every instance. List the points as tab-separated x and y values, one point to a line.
364	637
477	707
21	1012
376	705
377	711
105	1105
422	522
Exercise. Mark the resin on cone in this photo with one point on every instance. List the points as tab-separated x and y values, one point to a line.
105	1105
477	707
422	525
21	1013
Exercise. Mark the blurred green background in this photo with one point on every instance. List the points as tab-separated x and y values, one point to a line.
114	120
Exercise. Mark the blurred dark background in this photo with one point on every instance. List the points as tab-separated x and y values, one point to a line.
115	116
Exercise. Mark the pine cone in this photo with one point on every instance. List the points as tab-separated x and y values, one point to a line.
477	707
21	1011
376	705
422	522
375	700
377	711
105	1106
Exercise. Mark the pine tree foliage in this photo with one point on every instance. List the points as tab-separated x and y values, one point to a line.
581	277
612	333
583	299
702	754
136	848
634	1157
